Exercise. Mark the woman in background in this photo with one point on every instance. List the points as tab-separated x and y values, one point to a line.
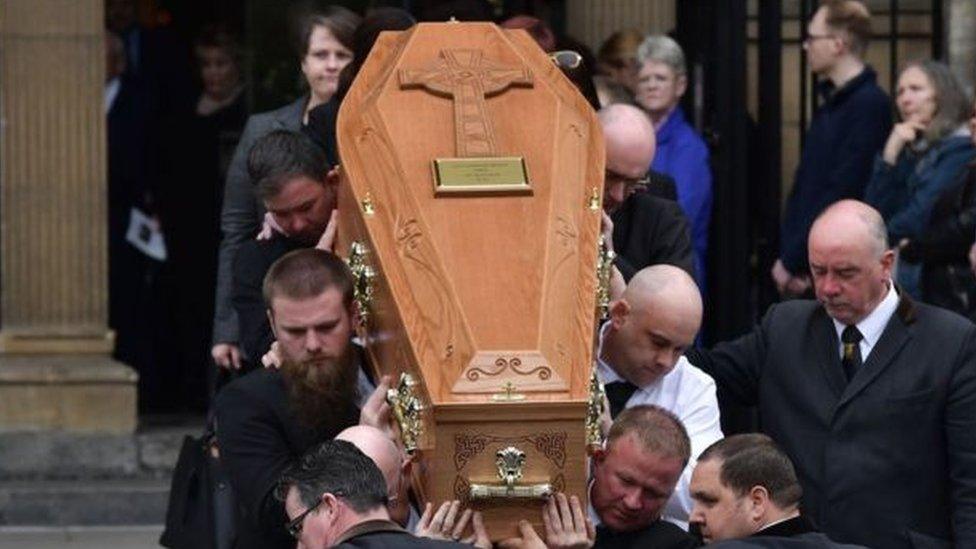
947	277
324	46
923	156
616	60
681	152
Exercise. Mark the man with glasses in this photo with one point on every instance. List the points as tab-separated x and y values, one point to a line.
845	135
646	230
336	497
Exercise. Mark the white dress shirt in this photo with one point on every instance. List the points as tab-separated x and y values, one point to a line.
688	393
872	326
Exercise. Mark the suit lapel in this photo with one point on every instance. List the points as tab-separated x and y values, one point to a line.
896	334
825	352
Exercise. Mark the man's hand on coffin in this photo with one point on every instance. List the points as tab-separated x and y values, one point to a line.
376	411
272	359
528	540
567	527
226	355
446	524
327	242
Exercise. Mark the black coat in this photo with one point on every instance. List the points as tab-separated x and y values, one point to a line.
259	438
252	262
883	459
795	533
660	535
943	249
648	230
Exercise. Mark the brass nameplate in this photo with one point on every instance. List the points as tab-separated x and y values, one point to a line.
503	175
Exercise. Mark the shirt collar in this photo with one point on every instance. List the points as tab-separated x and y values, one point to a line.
873	325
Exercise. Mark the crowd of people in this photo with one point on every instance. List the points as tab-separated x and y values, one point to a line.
866	394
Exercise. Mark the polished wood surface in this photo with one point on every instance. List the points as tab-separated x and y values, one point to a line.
479	295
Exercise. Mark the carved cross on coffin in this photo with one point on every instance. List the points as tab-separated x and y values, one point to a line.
467	77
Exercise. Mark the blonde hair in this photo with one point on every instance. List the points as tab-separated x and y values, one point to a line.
851	18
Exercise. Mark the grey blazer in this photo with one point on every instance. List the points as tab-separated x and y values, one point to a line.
242	212
887	460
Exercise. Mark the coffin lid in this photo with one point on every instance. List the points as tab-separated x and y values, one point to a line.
495	288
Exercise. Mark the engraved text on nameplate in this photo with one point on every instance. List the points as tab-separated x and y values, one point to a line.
480	175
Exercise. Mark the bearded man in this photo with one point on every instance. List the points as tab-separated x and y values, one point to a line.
267	419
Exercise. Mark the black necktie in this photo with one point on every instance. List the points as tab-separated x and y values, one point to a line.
618	393
851	360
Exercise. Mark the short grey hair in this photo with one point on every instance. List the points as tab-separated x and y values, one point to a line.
663	49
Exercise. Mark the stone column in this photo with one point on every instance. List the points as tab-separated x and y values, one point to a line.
961	39
55	370
593	21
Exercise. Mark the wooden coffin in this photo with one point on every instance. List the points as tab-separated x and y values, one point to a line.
484	288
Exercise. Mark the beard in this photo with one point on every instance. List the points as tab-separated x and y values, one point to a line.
323	393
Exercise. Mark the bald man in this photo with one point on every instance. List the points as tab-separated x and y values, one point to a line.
449	521
646	230
872	396
392	462
640	362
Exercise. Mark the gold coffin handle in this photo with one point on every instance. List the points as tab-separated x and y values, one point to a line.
509	463
363	275
406	407
501	491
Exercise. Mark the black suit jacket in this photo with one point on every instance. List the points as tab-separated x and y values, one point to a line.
661	185
795	533
253	260
810	540
259	438
648	230
887	459
660	535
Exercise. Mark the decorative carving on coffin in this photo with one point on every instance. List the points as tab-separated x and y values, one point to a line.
441	335
465	76
550	444
513	363
528	371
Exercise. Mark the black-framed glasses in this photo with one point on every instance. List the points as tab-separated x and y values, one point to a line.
566	59
294	526
631	184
